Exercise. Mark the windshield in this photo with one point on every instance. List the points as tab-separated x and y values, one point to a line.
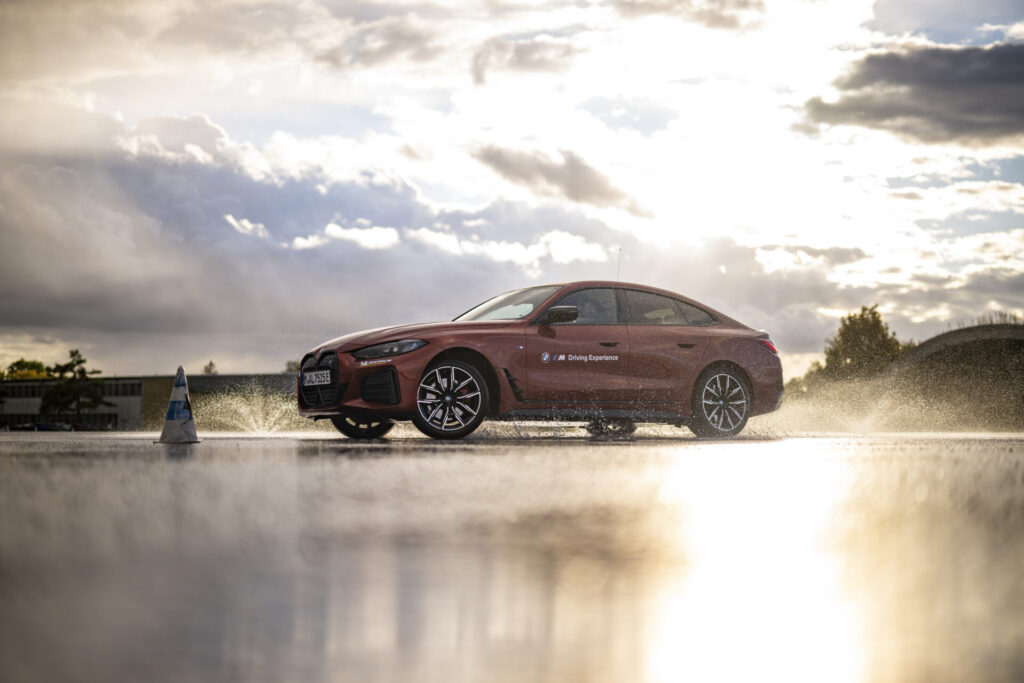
511	305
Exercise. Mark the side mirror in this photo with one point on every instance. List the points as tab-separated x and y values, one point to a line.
560	314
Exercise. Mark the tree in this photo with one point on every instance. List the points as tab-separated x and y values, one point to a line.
26	369
291	366
74	389
863	346
210	368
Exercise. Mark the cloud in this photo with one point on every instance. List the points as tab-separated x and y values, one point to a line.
247	227
570	177
559	246
383	41
265	27
1009	31
724	14
157	244
970	95
788	257
543	54
308	242
31	127
373	237
174	134
76	40
946	21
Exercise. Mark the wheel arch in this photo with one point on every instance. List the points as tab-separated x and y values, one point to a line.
726	364
480	362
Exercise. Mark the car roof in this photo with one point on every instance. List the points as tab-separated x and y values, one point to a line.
618	284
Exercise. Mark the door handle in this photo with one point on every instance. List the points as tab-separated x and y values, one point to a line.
685	346
609	344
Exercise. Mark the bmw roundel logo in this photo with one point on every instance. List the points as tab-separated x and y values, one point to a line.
545	357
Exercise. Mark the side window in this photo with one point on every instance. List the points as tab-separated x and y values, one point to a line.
694	315
596	306
646	308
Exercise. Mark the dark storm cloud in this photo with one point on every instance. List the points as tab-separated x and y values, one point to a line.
383	41
571	177
933	94
144	245
536	53
727	14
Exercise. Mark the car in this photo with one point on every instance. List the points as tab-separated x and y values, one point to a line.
609	354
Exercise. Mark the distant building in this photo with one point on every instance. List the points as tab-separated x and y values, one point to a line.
139	402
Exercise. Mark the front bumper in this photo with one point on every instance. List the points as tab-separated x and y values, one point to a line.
385	386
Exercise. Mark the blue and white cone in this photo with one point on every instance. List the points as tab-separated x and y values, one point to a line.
179	427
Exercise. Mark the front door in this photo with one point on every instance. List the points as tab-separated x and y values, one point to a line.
585	361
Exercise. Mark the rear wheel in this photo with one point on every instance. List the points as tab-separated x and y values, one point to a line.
721	404
362	427
610	428
450	400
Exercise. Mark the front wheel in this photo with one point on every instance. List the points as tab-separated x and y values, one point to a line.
721	404
362	428
451	400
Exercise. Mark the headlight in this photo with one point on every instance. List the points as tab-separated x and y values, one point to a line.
395	348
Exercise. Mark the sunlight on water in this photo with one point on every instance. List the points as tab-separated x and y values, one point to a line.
762	598
857	560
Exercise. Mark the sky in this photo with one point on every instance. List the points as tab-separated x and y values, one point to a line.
240	180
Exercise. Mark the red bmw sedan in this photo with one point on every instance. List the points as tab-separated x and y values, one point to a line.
609	354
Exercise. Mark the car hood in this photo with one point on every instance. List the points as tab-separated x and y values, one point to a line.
425	331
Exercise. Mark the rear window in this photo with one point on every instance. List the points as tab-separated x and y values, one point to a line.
695	315
647	308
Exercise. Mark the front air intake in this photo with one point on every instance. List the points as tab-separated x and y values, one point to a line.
381	387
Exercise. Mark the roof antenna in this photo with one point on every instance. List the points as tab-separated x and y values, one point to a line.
618	266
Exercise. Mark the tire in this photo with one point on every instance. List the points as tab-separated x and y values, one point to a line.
451	400
721	404
362	427
610	428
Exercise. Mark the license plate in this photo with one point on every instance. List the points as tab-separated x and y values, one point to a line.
316	378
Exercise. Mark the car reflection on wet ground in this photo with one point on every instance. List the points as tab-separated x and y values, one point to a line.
553	558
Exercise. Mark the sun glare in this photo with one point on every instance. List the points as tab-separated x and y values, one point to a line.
761	599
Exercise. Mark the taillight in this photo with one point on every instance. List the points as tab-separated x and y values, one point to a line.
768	343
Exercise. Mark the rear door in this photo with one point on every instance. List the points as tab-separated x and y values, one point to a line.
585	361
665	348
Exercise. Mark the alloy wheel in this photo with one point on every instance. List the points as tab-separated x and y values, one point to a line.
450	400
724	404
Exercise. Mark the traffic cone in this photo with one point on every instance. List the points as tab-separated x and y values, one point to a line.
178	425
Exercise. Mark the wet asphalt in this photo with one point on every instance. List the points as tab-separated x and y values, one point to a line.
529	555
